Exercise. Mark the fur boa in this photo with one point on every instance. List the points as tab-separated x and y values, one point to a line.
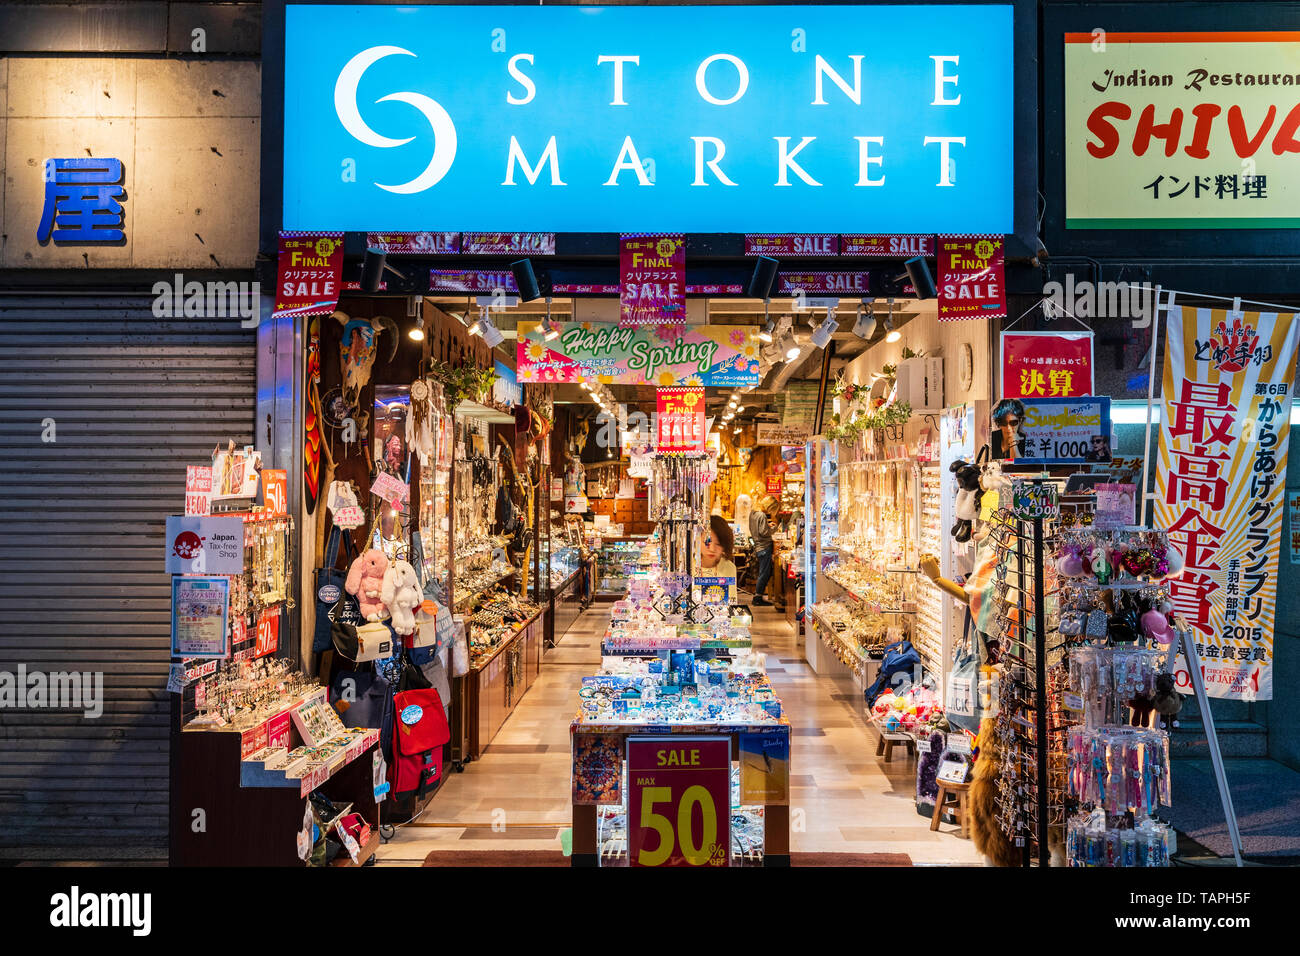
997	849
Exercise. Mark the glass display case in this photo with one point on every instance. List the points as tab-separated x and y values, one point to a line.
480	557
615	562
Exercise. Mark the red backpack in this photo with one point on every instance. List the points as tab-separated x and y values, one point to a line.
419	732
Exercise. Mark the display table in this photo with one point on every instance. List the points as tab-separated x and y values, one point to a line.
776	814
251	815
495	685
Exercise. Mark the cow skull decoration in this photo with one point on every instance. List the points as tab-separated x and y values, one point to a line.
357	347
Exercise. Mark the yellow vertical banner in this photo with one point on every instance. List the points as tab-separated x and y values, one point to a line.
1221	485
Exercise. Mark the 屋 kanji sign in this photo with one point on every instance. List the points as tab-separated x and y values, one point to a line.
1220	486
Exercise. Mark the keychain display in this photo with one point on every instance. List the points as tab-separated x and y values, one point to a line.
1090	842
1121	770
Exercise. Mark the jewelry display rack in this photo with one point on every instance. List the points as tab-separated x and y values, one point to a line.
1022	717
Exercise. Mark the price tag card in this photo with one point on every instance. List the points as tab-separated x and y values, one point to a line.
959	744
953	771
679	801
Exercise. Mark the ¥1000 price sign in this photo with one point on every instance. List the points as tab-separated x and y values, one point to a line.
679	801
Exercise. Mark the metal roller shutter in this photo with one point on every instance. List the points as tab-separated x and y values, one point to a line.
133	399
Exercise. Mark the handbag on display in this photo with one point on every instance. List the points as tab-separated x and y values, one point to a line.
360	698
329	588
900	658
366	641
961	698
426	624
420	732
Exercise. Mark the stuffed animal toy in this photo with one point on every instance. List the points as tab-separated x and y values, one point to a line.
969	494
402	595
988	838
1168	702
366	582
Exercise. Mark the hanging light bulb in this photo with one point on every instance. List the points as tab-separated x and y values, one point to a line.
417	333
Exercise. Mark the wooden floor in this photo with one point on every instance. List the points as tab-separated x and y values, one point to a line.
844	798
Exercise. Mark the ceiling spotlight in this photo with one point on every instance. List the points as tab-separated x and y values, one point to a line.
729	416
476	327
732	404
740	409
492	336
766	334
526	280
891	334
549	331
918	271
584	386
864	326
760	283
417	332
737	431
822	334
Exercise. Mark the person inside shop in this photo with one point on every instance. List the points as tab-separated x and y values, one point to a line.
716	549
760	532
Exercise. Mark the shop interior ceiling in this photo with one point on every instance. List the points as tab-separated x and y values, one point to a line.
760	402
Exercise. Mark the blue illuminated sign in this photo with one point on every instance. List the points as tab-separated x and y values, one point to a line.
685	118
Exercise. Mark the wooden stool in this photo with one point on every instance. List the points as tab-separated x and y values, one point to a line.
887	741
956	796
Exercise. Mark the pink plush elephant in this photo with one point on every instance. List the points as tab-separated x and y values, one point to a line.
366	582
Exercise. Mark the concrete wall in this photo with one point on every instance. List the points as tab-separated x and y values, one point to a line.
187	133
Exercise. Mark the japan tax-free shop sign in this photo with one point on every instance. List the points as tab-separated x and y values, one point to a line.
680	118
1182	130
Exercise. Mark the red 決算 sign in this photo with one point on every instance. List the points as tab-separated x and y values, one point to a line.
680	420
971	282
1046	364
679	801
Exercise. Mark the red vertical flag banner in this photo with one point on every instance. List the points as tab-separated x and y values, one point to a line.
680	420
653	289
308	273
971	285
1221	484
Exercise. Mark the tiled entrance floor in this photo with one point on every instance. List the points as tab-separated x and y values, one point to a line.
843	797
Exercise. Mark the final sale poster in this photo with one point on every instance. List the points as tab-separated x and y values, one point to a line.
971	282
653	269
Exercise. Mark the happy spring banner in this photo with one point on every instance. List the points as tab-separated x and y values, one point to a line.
663	355
1221	485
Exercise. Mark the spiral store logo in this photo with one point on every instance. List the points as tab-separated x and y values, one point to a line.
444	130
